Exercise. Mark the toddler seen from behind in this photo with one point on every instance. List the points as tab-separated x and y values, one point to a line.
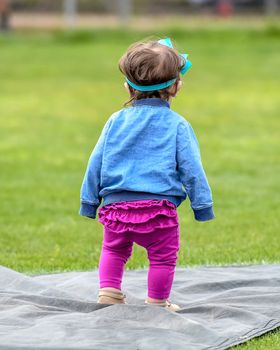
144	165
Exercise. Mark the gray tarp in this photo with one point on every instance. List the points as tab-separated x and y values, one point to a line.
223	306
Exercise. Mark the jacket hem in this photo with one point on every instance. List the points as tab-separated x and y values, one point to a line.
126	196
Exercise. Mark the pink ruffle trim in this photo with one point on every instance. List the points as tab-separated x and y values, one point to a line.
142	216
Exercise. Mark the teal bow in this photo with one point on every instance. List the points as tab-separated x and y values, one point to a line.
187	65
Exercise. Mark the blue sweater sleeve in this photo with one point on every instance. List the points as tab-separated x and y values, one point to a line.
192	174
89	195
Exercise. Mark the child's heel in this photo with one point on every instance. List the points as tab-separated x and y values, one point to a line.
110	295
166	304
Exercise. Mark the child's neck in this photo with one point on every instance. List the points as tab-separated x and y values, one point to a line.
169	99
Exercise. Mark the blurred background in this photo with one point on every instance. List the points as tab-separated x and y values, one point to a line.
59	83
88	13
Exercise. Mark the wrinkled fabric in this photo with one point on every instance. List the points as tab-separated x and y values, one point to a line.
141	216
221	307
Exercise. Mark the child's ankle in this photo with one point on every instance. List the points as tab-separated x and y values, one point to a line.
152	300
111	295
113	289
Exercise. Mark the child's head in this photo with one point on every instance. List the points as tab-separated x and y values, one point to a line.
149	63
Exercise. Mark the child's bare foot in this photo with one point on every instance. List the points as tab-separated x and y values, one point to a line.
110	295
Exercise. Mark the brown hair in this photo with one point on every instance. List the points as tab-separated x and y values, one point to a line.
149	63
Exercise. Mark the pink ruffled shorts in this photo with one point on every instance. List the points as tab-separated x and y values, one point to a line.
140	216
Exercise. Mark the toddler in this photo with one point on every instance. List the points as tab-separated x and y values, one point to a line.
144	165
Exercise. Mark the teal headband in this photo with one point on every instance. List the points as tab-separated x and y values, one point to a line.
187	65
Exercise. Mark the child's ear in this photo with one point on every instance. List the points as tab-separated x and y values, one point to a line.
179	85
126	87
176	87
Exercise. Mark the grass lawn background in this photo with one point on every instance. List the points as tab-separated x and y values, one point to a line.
57	90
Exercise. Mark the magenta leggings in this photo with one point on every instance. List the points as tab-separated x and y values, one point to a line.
162	247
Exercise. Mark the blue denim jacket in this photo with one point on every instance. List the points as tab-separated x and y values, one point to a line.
146	151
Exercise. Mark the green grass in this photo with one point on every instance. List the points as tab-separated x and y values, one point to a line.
57	91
